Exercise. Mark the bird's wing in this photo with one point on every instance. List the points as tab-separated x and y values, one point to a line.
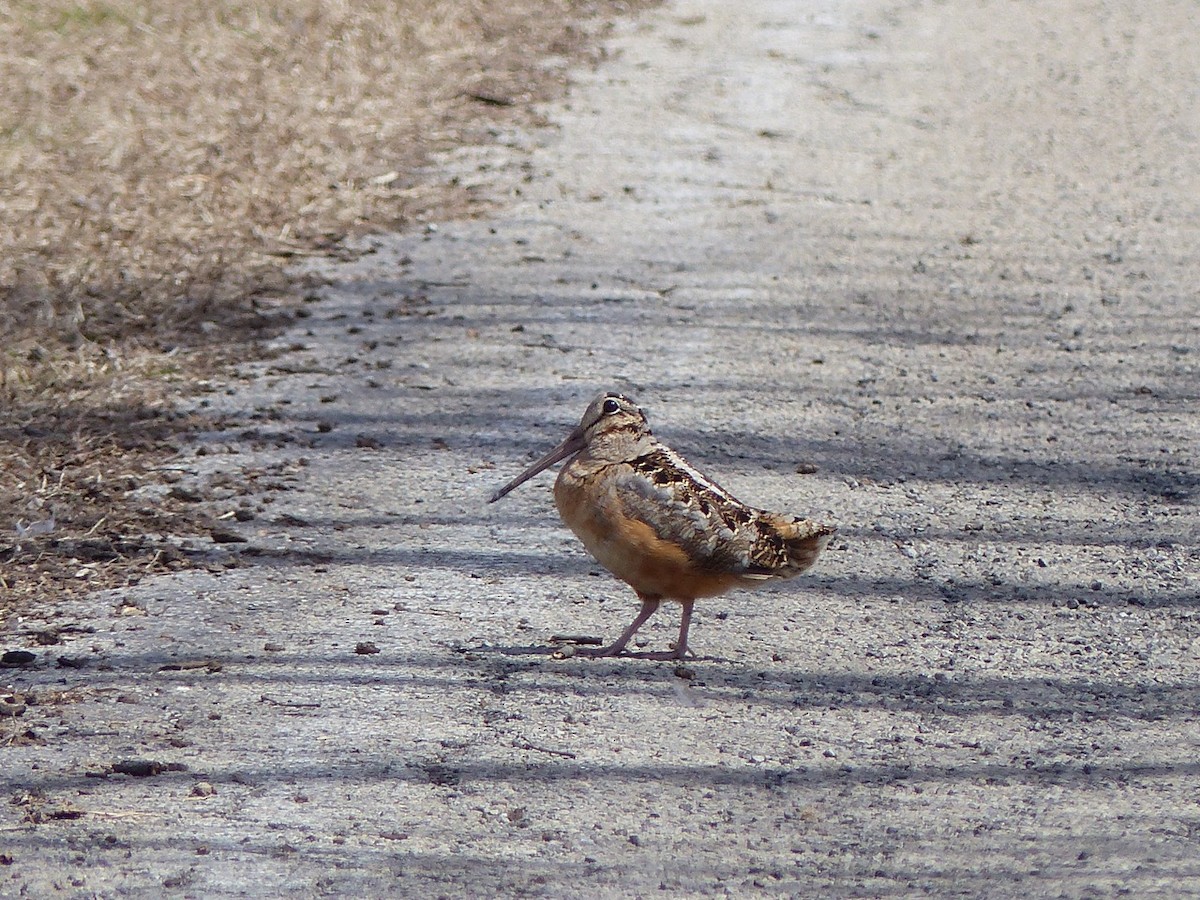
716	530
692	516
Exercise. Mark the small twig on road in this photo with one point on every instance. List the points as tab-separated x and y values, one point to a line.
401	608
92	530
290	704
575	639
525	745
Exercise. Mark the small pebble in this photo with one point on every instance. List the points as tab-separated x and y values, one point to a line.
203	789
144	768
226	536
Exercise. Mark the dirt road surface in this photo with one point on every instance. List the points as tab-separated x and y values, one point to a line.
927	271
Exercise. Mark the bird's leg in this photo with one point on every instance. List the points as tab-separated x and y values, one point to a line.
681	647
685	621
649	606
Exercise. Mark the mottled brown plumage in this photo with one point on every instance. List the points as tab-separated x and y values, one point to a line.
658	524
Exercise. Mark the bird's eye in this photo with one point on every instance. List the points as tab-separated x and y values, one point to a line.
610	406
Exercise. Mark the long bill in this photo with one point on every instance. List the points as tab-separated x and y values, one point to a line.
572	445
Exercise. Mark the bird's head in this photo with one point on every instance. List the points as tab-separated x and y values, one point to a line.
612	428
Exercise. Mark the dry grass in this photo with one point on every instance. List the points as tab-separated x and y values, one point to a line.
162	161
75	459
158	157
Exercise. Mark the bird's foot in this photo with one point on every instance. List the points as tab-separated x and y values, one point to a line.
676	652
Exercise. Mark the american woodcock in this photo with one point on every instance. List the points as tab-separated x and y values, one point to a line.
659	525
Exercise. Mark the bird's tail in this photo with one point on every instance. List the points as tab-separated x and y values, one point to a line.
803	541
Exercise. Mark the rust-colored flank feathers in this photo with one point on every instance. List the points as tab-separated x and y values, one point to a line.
659	525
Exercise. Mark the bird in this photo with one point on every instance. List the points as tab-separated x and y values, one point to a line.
659	525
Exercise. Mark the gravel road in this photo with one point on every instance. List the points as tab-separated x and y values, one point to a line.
927	271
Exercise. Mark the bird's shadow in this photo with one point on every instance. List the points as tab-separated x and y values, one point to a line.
555	650
520	650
